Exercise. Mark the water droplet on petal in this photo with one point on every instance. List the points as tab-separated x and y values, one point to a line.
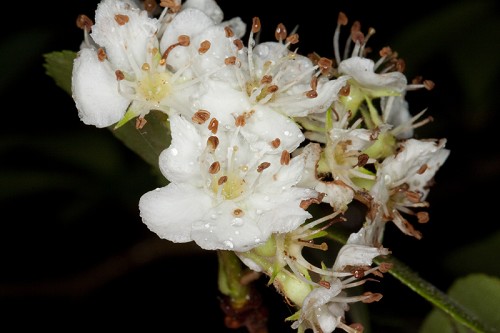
228	244
173	152
237	222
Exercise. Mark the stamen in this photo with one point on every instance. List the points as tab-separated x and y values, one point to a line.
172	5
213	126
240	121
119	75
101	55
276	143
121	19
228	31
84	22
266	79
230	60
255	25
214	168
212	142
285	157
238	212
238	43
280	33
204	47
222	180
341	21
140	122
263	166
201	116
423	217
150	6
325	65
292	39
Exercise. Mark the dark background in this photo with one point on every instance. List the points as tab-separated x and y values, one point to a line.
73	251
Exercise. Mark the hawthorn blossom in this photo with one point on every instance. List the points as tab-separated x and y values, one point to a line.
224	194
122	72
402	185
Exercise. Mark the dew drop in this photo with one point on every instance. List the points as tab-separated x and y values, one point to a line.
173	152
237	222
258	212
228	244
287	133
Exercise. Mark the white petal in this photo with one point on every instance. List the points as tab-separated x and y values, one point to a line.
356	255
95	91
209	7
179	163
170	211
362	71
126	41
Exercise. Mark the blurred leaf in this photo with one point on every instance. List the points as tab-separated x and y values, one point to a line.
472	258
59	66
480	293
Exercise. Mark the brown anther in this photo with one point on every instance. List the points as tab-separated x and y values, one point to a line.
422	169
325	65
184	40
101	54
240	121
230	60
293	39
266	79
358	272
311	94
255	25
229	32
145	66
314	83
285	157
119	75
358	327
372	297
84	22
214	168
428	84
417	80
280	33
222	180
204	46
238	212
413	196
356	26
150	5
272	88
342	19
358	37
362	160
213	142
385	51
324	284
304	204
276	143
213	126
172	6
121	19
345	90
140	122
200	116
263	166
423	217
400	65
238	43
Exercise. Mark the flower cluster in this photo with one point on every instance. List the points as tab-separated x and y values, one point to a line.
259	133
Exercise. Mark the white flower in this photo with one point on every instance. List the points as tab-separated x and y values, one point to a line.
124	71
403	183
224	194
323	310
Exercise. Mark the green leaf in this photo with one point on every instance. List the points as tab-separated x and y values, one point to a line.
59	66
480	294
149	141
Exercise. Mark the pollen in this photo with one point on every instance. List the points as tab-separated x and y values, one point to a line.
121	19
